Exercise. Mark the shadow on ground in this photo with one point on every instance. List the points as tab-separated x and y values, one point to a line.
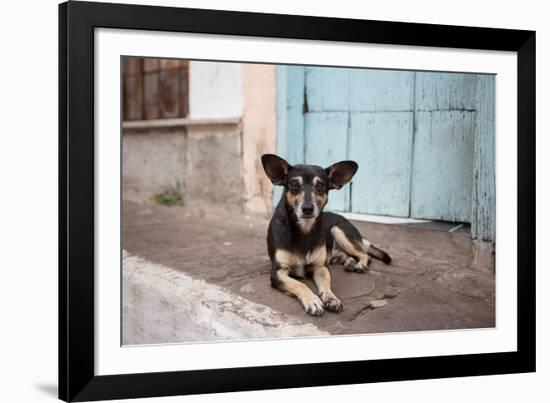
428	286
48	389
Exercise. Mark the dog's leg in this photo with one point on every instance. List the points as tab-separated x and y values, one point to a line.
281	280
322	279
353	249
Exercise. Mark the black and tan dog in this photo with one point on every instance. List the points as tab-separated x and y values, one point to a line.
302	239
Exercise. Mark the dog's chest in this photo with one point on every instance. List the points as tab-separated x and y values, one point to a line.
301	263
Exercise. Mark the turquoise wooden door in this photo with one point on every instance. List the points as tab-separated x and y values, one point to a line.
412	133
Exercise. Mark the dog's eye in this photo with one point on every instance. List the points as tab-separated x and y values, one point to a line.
294	186
319	187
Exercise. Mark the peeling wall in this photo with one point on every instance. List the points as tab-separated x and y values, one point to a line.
152	160
215	90
214	153
259	129
213	164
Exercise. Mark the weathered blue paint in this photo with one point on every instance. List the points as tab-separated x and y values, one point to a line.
295	82
381	90
442	165
484	186
445	105
424	141
327	89
445	91
326	143
381	143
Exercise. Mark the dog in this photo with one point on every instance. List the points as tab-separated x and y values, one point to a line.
302	239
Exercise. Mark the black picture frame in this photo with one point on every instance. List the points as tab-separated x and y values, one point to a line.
77	21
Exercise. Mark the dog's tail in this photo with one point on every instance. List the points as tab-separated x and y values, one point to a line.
376	252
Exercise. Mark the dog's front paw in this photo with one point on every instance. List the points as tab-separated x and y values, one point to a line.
332	304
313	305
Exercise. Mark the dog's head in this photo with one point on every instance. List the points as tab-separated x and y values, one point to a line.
307	186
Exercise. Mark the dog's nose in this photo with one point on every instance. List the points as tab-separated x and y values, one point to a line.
307	209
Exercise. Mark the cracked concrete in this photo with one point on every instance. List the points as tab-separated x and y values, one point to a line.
429	285
162	305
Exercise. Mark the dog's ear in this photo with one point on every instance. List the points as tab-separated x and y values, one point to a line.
341	173
276	168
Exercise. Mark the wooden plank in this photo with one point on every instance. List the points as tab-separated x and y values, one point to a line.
294	152
184	88
151	94
133	97
381	143
381	90
484	186
151	88
326	143
131	65
443	165
327	89
446	91
168	64
132	89
150	64
170	93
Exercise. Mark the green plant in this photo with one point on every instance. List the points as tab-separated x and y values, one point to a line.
170	196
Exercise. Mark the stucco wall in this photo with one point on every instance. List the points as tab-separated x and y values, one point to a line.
214	154
215	90
213	164
152	159
259	127
228	90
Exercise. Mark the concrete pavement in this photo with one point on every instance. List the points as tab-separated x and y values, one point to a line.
428	286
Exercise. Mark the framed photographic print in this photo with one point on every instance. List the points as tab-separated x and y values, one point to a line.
258	201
